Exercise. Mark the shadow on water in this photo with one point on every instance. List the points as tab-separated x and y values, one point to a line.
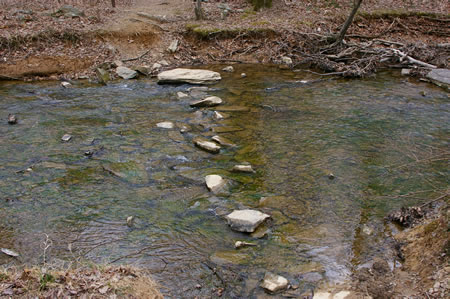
384	139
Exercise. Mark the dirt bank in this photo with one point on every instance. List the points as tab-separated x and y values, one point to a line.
41	42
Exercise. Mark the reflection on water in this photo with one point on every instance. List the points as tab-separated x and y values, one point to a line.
380	138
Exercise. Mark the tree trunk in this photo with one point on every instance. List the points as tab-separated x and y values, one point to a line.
198	10
113	3
348	22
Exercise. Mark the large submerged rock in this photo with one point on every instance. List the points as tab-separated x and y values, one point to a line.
246	220
440	77
181	75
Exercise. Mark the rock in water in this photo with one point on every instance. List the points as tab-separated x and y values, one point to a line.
243	168
126	73
440	77
181	75
207	102
246	220
240	244
66	137
165	125
12	119
102	75
182	95
65	84
274	283
223	141
214	183
243	75
130	221
228	69
208	146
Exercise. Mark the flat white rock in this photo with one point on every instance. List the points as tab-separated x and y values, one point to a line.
65	84
66	137
9	252
207	102
274	283
243	168
246	220
207	146
228	69
165	125
189	76
214	182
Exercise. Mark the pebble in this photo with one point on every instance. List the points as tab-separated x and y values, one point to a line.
12	119
243	75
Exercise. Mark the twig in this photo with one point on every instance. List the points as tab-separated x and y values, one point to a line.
388	42
436	199
137	58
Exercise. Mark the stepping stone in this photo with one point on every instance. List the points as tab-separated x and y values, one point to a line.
243	168
181	75
214	183
66	137
246	220
208	146
165	125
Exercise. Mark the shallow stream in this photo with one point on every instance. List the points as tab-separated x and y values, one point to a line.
384	140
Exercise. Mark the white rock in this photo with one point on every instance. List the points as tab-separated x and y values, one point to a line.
207	102
228	69
165	125
207	146
66	137
243	168
9	252
218	115
240	244
406	72
164	62
126	73
65	84
243	75
341	295
182	95
214	182
198	88
189	76
274	283
286	60
322	295
246	220
130	220
173	46
156	66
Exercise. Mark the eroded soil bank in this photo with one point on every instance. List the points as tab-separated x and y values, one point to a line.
43	41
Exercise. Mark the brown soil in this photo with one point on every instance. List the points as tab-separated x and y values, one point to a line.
105	34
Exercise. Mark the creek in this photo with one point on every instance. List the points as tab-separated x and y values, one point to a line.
383	139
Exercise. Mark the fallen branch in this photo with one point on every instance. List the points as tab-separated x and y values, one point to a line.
434	200
137	58
412	60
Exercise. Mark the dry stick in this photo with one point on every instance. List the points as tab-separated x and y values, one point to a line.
137	58
412	60
433	200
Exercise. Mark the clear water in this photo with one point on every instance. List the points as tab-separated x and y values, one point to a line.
382	138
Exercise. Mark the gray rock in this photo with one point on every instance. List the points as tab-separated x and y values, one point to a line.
406	72
66	137
208	146
207	102
246	220
156	66
102	75
173	46
274	283
229	69
440	77
126	73
181	75
68	11
214	183
143	69
65	84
